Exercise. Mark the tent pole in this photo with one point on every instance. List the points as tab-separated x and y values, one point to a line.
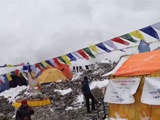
150	112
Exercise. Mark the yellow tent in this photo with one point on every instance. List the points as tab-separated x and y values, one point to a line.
51	75
139	65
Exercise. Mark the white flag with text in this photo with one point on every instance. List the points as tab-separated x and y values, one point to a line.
121	91
151	91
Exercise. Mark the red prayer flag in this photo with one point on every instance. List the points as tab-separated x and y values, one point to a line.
57	62
38	66
118	40
83	54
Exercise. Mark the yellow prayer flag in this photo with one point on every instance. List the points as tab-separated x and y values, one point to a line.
137	34
45	64
94	48
8	77
9	65
68	62
24	75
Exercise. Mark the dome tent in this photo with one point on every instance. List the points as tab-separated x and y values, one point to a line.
51	75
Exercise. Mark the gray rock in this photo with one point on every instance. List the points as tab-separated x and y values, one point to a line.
2	117
56	110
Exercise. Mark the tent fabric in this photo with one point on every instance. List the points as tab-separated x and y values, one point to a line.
17	80
51	75
65	70
140	64
4	84
121	61
34	103
137	110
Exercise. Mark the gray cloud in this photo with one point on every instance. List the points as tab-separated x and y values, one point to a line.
36	30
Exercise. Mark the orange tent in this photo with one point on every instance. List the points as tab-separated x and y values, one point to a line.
66	71
138	65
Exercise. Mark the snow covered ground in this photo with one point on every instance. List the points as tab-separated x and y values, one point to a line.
13	92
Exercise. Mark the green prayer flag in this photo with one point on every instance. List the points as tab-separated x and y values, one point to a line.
128	37
42	65
61	59
88	51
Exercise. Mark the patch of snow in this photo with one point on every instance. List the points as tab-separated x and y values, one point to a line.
14	116
51	110
105	61
59	80
13	92
99	84
76	76
69	108
63	92
144	118
79	99
117	118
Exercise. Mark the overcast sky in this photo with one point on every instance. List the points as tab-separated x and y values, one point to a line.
36	30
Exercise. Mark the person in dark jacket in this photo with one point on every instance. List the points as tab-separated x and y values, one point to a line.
87	94
24	112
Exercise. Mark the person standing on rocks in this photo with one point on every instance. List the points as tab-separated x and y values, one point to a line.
87	94
24	112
